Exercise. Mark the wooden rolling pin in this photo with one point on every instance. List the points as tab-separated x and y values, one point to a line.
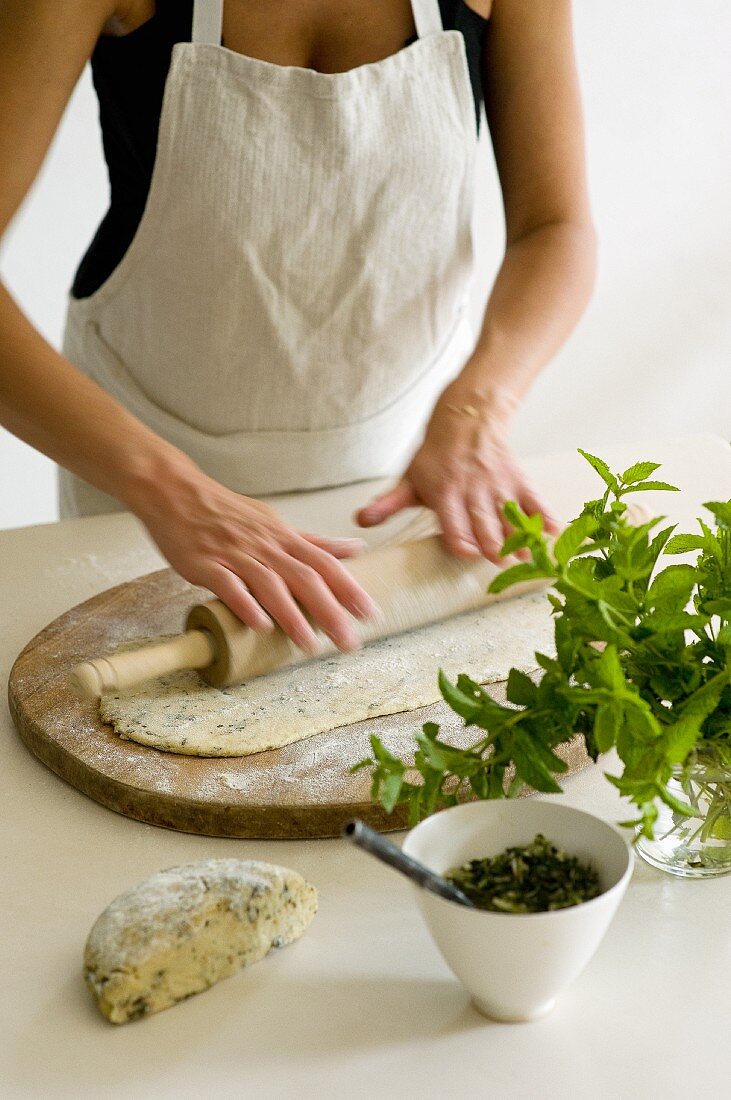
415	583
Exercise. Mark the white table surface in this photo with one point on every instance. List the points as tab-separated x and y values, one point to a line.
363	1005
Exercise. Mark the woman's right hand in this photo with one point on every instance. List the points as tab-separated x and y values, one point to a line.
259	566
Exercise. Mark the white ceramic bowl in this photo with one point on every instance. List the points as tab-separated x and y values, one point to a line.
515	964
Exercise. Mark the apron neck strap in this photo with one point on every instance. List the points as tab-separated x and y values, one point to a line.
207	21
427	17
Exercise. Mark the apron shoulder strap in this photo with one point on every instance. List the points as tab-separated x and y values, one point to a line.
427	17
207	21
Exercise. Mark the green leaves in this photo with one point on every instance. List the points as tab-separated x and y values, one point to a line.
683	544
602	469
524	571
659	486
633	480
573	538
528	534
390	791
721	509
461	704
642	663
521	690
639	472
693	711
535	762
606	671
671	589
607	723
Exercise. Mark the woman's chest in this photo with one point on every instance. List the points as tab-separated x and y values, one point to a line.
326	35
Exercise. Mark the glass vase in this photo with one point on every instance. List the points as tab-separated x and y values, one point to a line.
697	846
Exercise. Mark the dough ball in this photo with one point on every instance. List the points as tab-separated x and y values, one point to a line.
181	930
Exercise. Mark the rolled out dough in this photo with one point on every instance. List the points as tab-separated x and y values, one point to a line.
180	713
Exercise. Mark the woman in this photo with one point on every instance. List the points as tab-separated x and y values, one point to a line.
276	299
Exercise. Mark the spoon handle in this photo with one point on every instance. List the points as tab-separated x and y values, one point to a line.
370	841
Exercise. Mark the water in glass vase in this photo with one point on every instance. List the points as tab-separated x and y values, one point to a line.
695	846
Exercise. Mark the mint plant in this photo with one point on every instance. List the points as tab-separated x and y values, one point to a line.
642	665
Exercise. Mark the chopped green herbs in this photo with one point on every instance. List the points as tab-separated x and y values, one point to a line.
536	878
642	664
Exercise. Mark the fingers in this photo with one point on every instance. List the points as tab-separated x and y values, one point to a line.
301	586
303	581
232	591
337	547
261	568
311	591
486	526
274	595
474	521
456	525
340	582
380	509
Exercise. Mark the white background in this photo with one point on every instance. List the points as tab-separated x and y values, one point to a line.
653	354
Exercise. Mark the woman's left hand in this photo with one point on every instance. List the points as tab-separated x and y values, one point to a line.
465	472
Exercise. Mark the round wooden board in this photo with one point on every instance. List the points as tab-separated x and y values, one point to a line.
302	790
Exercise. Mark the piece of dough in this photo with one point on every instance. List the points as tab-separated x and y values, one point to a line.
181	930
179	713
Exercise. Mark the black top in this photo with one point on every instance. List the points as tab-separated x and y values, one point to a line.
129	75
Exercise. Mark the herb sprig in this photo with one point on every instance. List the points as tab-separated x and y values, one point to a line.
642	664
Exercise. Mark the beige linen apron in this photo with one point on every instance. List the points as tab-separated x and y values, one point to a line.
294	299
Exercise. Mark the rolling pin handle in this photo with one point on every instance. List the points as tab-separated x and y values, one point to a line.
86	680
194	649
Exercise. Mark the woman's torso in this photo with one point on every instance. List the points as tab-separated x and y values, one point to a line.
290	290
130	72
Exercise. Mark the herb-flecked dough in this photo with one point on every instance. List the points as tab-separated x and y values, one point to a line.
179	713
181	930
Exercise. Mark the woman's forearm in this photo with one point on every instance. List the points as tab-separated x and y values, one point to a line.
49	404
464	469
238	548
541	291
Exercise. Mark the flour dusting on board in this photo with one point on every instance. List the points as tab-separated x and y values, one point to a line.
180	714
318	770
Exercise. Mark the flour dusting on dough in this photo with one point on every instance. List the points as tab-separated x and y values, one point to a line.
180	713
